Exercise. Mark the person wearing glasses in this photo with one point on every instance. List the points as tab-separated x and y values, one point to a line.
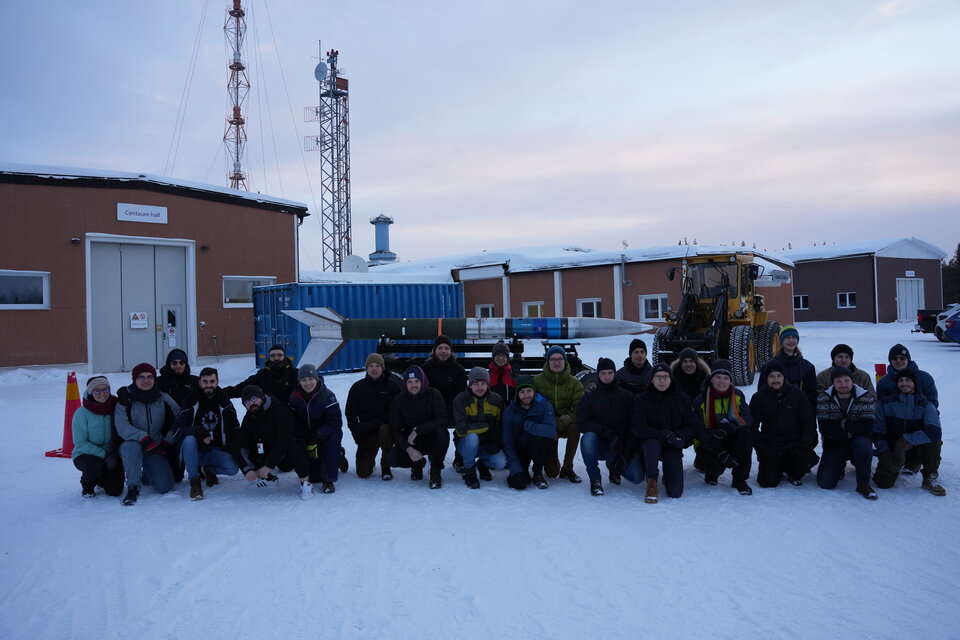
277	378
95	442
175	378
563	392
900	362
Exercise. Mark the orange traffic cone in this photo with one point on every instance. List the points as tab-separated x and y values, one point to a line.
70	407
879	370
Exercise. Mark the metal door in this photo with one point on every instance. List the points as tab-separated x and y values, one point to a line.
909	298
138	304
106	326
171	300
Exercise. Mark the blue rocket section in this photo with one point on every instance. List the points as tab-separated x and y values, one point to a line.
546	328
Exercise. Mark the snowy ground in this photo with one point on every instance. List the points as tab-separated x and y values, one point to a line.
396	560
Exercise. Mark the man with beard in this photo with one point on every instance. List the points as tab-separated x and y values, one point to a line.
368	416
477	414
563	391
277	378
689	371
266	440
144	417
418	427
636	371
208	421
846	417
787	430
529	435
842	356
800	371
726	436
175	378
447	376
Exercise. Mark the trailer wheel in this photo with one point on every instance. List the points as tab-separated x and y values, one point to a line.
743	360
588	378
768	342
657	345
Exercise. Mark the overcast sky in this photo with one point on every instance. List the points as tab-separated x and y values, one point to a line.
495	124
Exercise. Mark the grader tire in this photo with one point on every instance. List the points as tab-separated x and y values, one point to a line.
657	345
768	342
743	355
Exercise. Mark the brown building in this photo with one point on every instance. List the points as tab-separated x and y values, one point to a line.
869	281
577	282
113	268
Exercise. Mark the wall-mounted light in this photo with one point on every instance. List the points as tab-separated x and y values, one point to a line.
204	247
74	240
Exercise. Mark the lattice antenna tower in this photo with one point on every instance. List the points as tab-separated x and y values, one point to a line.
333	143
235	136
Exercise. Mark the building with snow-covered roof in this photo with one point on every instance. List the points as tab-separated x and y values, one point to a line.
576	281
113	268
883	280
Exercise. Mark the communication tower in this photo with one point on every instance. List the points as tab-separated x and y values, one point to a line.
333	114
235	137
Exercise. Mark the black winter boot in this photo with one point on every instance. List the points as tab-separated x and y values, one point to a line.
470	478
485	474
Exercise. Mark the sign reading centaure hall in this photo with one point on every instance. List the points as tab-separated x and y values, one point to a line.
141	213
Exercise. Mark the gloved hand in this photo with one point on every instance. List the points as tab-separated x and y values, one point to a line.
111	461
461	430
900	452
162	449
518	481
149	445
671	439
312	451
492	446
728	460
719	433
886	463
617	465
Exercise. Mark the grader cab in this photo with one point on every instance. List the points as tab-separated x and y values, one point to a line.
720	315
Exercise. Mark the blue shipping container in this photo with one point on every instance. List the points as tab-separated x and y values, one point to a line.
354	300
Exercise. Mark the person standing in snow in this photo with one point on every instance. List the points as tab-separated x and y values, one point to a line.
689	372
95	441
266	441
277	378
842	356
663	422
907	431
726	433
800	372
175	378
845	417
786	430
368	416
477	413
319	426
418	424
144	417
501	373
447	376
603	417
529	435
564	392
634	375
208	422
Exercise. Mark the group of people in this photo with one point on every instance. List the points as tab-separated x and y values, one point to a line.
638	419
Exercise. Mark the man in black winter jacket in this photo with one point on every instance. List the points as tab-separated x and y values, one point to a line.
368	416
603	416
787	430
277	378
418	427
635	373
175	378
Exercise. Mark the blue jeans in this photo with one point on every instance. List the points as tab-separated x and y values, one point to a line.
593	449
219	461
834	459
469	449
155	467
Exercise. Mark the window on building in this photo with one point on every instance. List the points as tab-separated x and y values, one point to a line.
24	289
533	309
589	308
801	302
653	308
238	290
847	300
484	310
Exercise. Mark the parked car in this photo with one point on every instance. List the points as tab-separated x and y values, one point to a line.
941	320
951	327
926	320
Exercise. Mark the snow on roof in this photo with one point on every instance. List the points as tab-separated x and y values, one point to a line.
884	247
73	173
551	257
326	277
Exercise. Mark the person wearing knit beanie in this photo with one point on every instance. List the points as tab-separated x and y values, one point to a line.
143	367
800	371
367	414
636	371
900	361
604	413
558	385
606	364
374	358
477	413
842	356
478	374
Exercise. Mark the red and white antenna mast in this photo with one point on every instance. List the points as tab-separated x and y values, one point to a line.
235	137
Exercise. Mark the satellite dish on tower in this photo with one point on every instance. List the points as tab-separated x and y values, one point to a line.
320	72
354	264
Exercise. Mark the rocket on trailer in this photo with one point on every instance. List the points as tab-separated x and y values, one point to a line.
329	331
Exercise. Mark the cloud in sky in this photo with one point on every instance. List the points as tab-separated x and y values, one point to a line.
504	123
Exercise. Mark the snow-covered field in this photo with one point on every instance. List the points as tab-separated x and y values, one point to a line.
396	560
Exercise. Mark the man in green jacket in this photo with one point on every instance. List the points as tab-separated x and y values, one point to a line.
564	392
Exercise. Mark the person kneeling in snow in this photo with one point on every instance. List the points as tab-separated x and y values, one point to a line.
95	442
476	419
208	421
907	431
144	416
529	435
319	426
418	419
604	418
266	441
726	437
845	416
786	430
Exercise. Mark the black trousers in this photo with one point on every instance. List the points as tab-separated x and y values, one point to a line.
368	444
738	444
94	472
535	449
433	445
795	463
